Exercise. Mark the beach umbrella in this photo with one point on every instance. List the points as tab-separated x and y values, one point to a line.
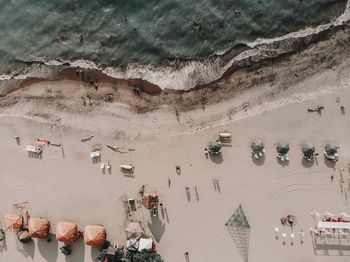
331	149
308	149
95	235
134	228
257	146
214	147
282	148
66	232
13	221
148	201
39	227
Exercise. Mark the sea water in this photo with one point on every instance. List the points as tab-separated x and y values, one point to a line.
120	33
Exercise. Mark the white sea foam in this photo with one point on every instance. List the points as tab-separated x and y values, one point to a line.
180	75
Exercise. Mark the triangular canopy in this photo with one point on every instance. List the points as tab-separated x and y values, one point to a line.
239	230
148	201
257	146
282	148
331	149
13	221
95	235
39	227
134	228
66	232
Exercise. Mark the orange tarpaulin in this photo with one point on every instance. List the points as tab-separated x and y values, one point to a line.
66	232
39	227
95	235
14	221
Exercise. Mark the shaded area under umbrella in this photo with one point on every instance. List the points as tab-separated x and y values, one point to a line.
308	150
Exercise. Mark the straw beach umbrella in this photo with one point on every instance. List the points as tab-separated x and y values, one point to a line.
214	147
95	235
308	149
331	149
257	146
66	232
282	148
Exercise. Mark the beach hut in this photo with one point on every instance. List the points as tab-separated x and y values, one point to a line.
66	232
258	148
13	221
214	147
39	227
148	201
331	152
134	228
308	150
95	235
282	150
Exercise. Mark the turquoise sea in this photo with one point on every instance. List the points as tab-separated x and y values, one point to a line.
120	32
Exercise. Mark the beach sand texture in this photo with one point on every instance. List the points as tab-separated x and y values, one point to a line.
66	186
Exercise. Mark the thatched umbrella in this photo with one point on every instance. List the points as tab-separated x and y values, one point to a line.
95	235
308	149
282	148
331	149
13	221
66	232
39	227
257	146
214	147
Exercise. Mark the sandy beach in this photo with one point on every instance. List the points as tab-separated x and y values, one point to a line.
66	186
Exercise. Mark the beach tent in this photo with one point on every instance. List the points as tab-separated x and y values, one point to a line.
214	147
66	232
308	149
39	227
134	228
148	201
331	149
257	146
145	243
95	235
282	148
13	221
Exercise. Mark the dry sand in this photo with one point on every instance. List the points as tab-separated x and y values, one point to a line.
65	185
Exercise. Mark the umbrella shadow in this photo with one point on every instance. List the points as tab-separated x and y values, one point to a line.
306	163
216	158
78	252
157	228
258	161
27	249
48	249
329	163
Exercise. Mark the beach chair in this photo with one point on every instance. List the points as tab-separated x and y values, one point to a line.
127	167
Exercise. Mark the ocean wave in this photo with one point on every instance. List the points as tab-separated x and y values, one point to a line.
176	74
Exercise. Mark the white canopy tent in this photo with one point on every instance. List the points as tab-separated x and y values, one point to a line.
335	225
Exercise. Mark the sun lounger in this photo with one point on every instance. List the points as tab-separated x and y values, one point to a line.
256	155
127	167
102	165
33	149
95	154
109	165
260	154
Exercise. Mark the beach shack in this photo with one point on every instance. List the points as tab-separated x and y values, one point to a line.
39	227
95	235
66	232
